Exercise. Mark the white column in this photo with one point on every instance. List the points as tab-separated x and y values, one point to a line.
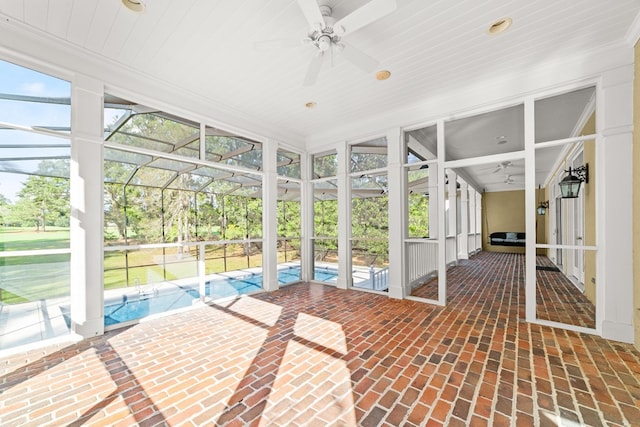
269	217
433	201
397	212
344	219
452	187
472	219
614	209
463	250
307	200
86	182
442	235
530	209
478	221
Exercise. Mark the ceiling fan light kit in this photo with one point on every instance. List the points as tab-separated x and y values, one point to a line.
326	33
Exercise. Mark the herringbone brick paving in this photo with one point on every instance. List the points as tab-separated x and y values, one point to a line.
314	355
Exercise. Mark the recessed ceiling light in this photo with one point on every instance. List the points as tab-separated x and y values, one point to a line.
310	105
500	26
383	74
134	5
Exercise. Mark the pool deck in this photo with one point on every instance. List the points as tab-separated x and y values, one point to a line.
22	325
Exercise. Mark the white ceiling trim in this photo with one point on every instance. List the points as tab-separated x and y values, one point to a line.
633	33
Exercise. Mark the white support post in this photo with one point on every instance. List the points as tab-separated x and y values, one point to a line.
479	221
344	219
202	284
463	250
452	187
442	234
472	220
397	212
270	217
434	215
87	208
614	208
530	209
306	237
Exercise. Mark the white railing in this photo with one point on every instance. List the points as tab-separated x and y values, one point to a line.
379	279
422	259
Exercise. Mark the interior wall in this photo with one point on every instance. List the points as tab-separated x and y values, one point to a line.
636	195
502	211
589	156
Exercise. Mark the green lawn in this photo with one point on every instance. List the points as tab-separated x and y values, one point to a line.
24	239
32	278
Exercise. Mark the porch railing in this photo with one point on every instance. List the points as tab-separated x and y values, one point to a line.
379	279
422	259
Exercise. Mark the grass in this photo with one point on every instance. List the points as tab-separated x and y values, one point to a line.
30	278
24	239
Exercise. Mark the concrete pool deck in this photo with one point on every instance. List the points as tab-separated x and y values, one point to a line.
24	325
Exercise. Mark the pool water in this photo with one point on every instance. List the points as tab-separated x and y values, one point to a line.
147	305
153	303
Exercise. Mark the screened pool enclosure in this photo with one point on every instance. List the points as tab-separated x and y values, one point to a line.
184	202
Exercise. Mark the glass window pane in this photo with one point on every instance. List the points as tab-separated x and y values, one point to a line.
325	209
369	155
156	131
418	202
233	150
288	164
421	144
31	286
34	99
325	165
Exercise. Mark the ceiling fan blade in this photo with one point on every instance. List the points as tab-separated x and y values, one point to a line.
264	45
311	12
313	70
359	58
367	14
497	169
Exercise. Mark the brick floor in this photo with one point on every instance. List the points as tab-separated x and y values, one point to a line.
314	355
558	299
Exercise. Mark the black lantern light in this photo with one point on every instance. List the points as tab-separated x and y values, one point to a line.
570	184
542	207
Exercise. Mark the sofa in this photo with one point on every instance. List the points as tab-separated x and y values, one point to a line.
507	238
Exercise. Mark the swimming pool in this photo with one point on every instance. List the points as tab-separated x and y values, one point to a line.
132	308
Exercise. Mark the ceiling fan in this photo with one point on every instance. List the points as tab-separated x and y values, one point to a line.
326	34
502	166
508	179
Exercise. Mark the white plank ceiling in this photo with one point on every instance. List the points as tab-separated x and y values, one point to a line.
206	47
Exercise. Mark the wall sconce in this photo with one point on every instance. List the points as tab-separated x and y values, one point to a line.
570	184
542	207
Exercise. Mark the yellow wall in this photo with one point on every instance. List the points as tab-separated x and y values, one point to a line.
636	195
503	211
589	155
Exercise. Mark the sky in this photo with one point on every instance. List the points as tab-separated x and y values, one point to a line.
16	80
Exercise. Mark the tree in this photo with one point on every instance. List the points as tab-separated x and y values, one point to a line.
44	198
